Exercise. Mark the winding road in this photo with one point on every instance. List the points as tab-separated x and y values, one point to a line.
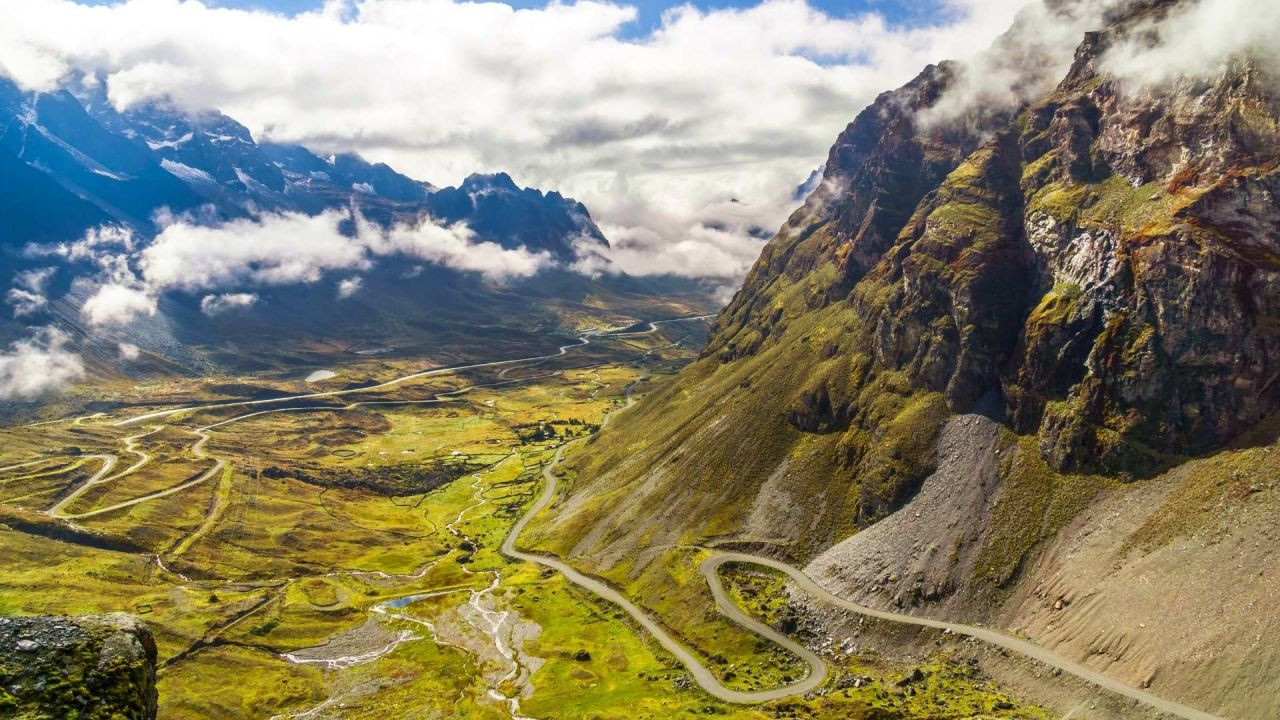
709	568
109	461
197	450
818	668
581	340
704	677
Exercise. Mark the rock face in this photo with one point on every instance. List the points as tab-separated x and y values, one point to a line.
1091	275
1104	263
98	667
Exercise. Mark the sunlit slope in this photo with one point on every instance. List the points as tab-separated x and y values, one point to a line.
1096	272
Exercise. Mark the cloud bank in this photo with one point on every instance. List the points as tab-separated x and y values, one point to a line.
272	249
37	366
1199	40
659	135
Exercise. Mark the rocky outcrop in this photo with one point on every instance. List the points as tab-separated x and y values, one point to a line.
90	668
879	169
1100	266
1094	269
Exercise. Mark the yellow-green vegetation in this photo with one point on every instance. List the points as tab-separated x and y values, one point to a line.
759	591
865	684
296	548
673	589
345	561
1148	209
1056	307
1035	502
1212	488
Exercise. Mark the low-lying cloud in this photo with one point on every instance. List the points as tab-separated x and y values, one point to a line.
349	286
213	305
226	261
27	296
38	365
272	250
118	304
1199	40
454	246
1022	64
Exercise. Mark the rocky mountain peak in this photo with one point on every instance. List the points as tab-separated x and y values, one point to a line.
1096	266
489	182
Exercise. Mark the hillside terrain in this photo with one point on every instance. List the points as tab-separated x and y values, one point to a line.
1006	365
990	430
339	546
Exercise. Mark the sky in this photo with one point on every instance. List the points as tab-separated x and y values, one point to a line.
649	12
684	128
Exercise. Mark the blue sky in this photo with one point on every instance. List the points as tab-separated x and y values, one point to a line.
897	12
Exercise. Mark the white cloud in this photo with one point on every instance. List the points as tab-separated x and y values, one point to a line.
654	134
289	248
703	252
348	287
1199	39
275	250
1023	64
217	304
27	295
128	351
38	365
95	247
117	304
454	246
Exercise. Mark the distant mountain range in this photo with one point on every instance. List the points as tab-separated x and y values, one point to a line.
72	161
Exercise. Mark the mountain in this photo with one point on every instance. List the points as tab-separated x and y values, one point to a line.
1017	367
495	207
131	164
28	193
71	161
53	133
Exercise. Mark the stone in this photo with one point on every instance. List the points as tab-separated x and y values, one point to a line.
90	668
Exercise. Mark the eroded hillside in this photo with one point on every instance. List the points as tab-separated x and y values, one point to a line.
1093	275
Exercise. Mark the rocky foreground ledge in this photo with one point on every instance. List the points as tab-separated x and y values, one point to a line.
89	668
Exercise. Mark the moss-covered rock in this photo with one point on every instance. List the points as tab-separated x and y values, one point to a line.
86	668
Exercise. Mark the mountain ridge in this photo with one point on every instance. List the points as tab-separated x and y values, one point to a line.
154	156
1093	270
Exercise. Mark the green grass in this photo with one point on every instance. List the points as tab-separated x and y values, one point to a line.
1034	503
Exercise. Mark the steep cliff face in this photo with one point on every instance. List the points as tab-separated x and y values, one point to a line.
95	668
1094	271
1104	264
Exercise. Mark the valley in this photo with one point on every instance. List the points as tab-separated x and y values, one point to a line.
347	551
988	428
